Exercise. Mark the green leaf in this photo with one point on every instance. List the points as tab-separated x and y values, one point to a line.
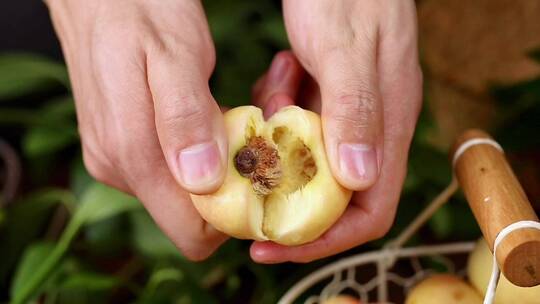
60	109
79	177
16	232
89	281
437	172
47	140
31	260
274	29
233	283
2	217
21	74
83	286
442	222
10	116
148	239
100	202
55	127
108	237
163	275
57	112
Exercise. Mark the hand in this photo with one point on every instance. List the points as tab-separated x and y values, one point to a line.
148	123
362	57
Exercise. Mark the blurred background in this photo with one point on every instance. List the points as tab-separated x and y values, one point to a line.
66	239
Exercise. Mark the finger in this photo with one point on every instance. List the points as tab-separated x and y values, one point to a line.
373	211
257	88
280	85
154	184
352	114
188	120
101	168
139	161
223	109
400	76
276	102
173	211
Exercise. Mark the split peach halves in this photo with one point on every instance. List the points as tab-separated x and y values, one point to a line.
278	185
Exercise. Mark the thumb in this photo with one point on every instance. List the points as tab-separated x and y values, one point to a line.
351	115
188	121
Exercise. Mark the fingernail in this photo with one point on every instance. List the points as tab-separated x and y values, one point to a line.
358	162
199	164
278	69
261	254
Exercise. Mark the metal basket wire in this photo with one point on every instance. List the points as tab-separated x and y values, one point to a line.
500	184
343	272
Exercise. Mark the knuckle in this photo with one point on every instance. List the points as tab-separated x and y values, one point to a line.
383	225
357	110
197	245
109	153
195	251
195	255
170	46
116	34
357	99
183	111
99	158
96	168
382	230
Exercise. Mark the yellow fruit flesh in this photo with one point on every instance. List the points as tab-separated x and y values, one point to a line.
298	168
308	208
342	299
305	202
296	161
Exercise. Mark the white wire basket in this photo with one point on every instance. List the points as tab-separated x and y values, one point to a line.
485	193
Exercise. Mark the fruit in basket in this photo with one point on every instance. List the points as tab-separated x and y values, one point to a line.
479	272
443	289
278	185
341	299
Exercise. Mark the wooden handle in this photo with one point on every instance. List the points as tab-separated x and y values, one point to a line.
497	200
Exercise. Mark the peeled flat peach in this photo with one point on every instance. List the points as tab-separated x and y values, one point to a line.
479	269
443	289
278	185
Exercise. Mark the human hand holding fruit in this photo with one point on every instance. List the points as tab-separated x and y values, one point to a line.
279	185
362	58
148	123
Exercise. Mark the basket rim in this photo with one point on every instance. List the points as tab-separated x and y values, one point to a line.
379	256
